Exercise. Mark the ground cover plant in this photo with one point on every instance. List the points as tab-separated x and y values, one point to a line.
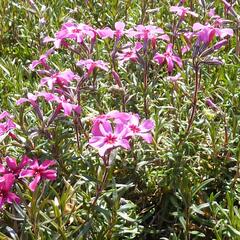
119	119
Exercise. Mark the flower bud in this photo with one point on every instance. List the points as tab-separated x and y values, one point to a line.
220	44
117	78
212	61
211	104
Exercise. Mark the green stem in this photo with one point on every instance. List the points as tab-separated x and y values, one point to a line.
194	100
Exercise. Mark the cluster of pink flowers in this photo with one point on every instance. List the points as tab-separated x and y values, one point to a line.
62	102
12	172
115	129
62	88
79	37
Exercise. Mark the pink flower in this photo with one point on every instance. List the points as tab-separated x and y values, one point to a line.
57	42
211	12
169	58
105	33
226	4
148	32
206	33
42	60
63	103
129	54
76	32
31	98
8	125
39	172
109	33
59	78
211	104
118	117
140	129
126	126
119	30
6	183
12	166
182	11
105	138
91	65
174	78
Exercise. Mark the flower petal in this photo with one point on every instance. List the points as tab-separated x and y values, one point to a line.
33	185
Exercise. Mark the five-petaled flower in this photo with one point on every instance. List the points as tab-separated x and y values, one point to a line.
59	78
63	102
38	172
169	57
91	65
142	129
105	138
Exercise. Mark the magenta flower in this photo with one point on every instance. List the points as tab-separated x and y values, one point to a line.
211	104
91	65
206	33
42	60
169	57
182	11
6	183
140	129
12	166
105	138
59	78
39	172
57	42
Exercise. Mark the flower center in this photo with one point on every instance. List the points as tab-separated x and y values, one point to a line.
76	30
110	139
134	128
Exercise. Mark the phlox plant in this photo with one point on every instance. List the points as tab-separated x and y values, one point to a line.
88	154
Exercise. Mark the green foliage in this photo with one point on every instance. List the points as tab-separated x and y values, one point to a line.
165	190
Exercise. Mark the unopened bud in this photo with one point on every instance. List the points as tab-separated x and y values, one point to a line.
117	78
220	44
211	104
212	61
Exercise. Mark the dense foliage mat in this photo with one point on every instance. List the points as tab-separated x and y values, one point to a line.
120	119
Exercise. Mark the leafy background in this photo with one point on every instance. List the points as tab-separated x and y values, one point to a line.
162	191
